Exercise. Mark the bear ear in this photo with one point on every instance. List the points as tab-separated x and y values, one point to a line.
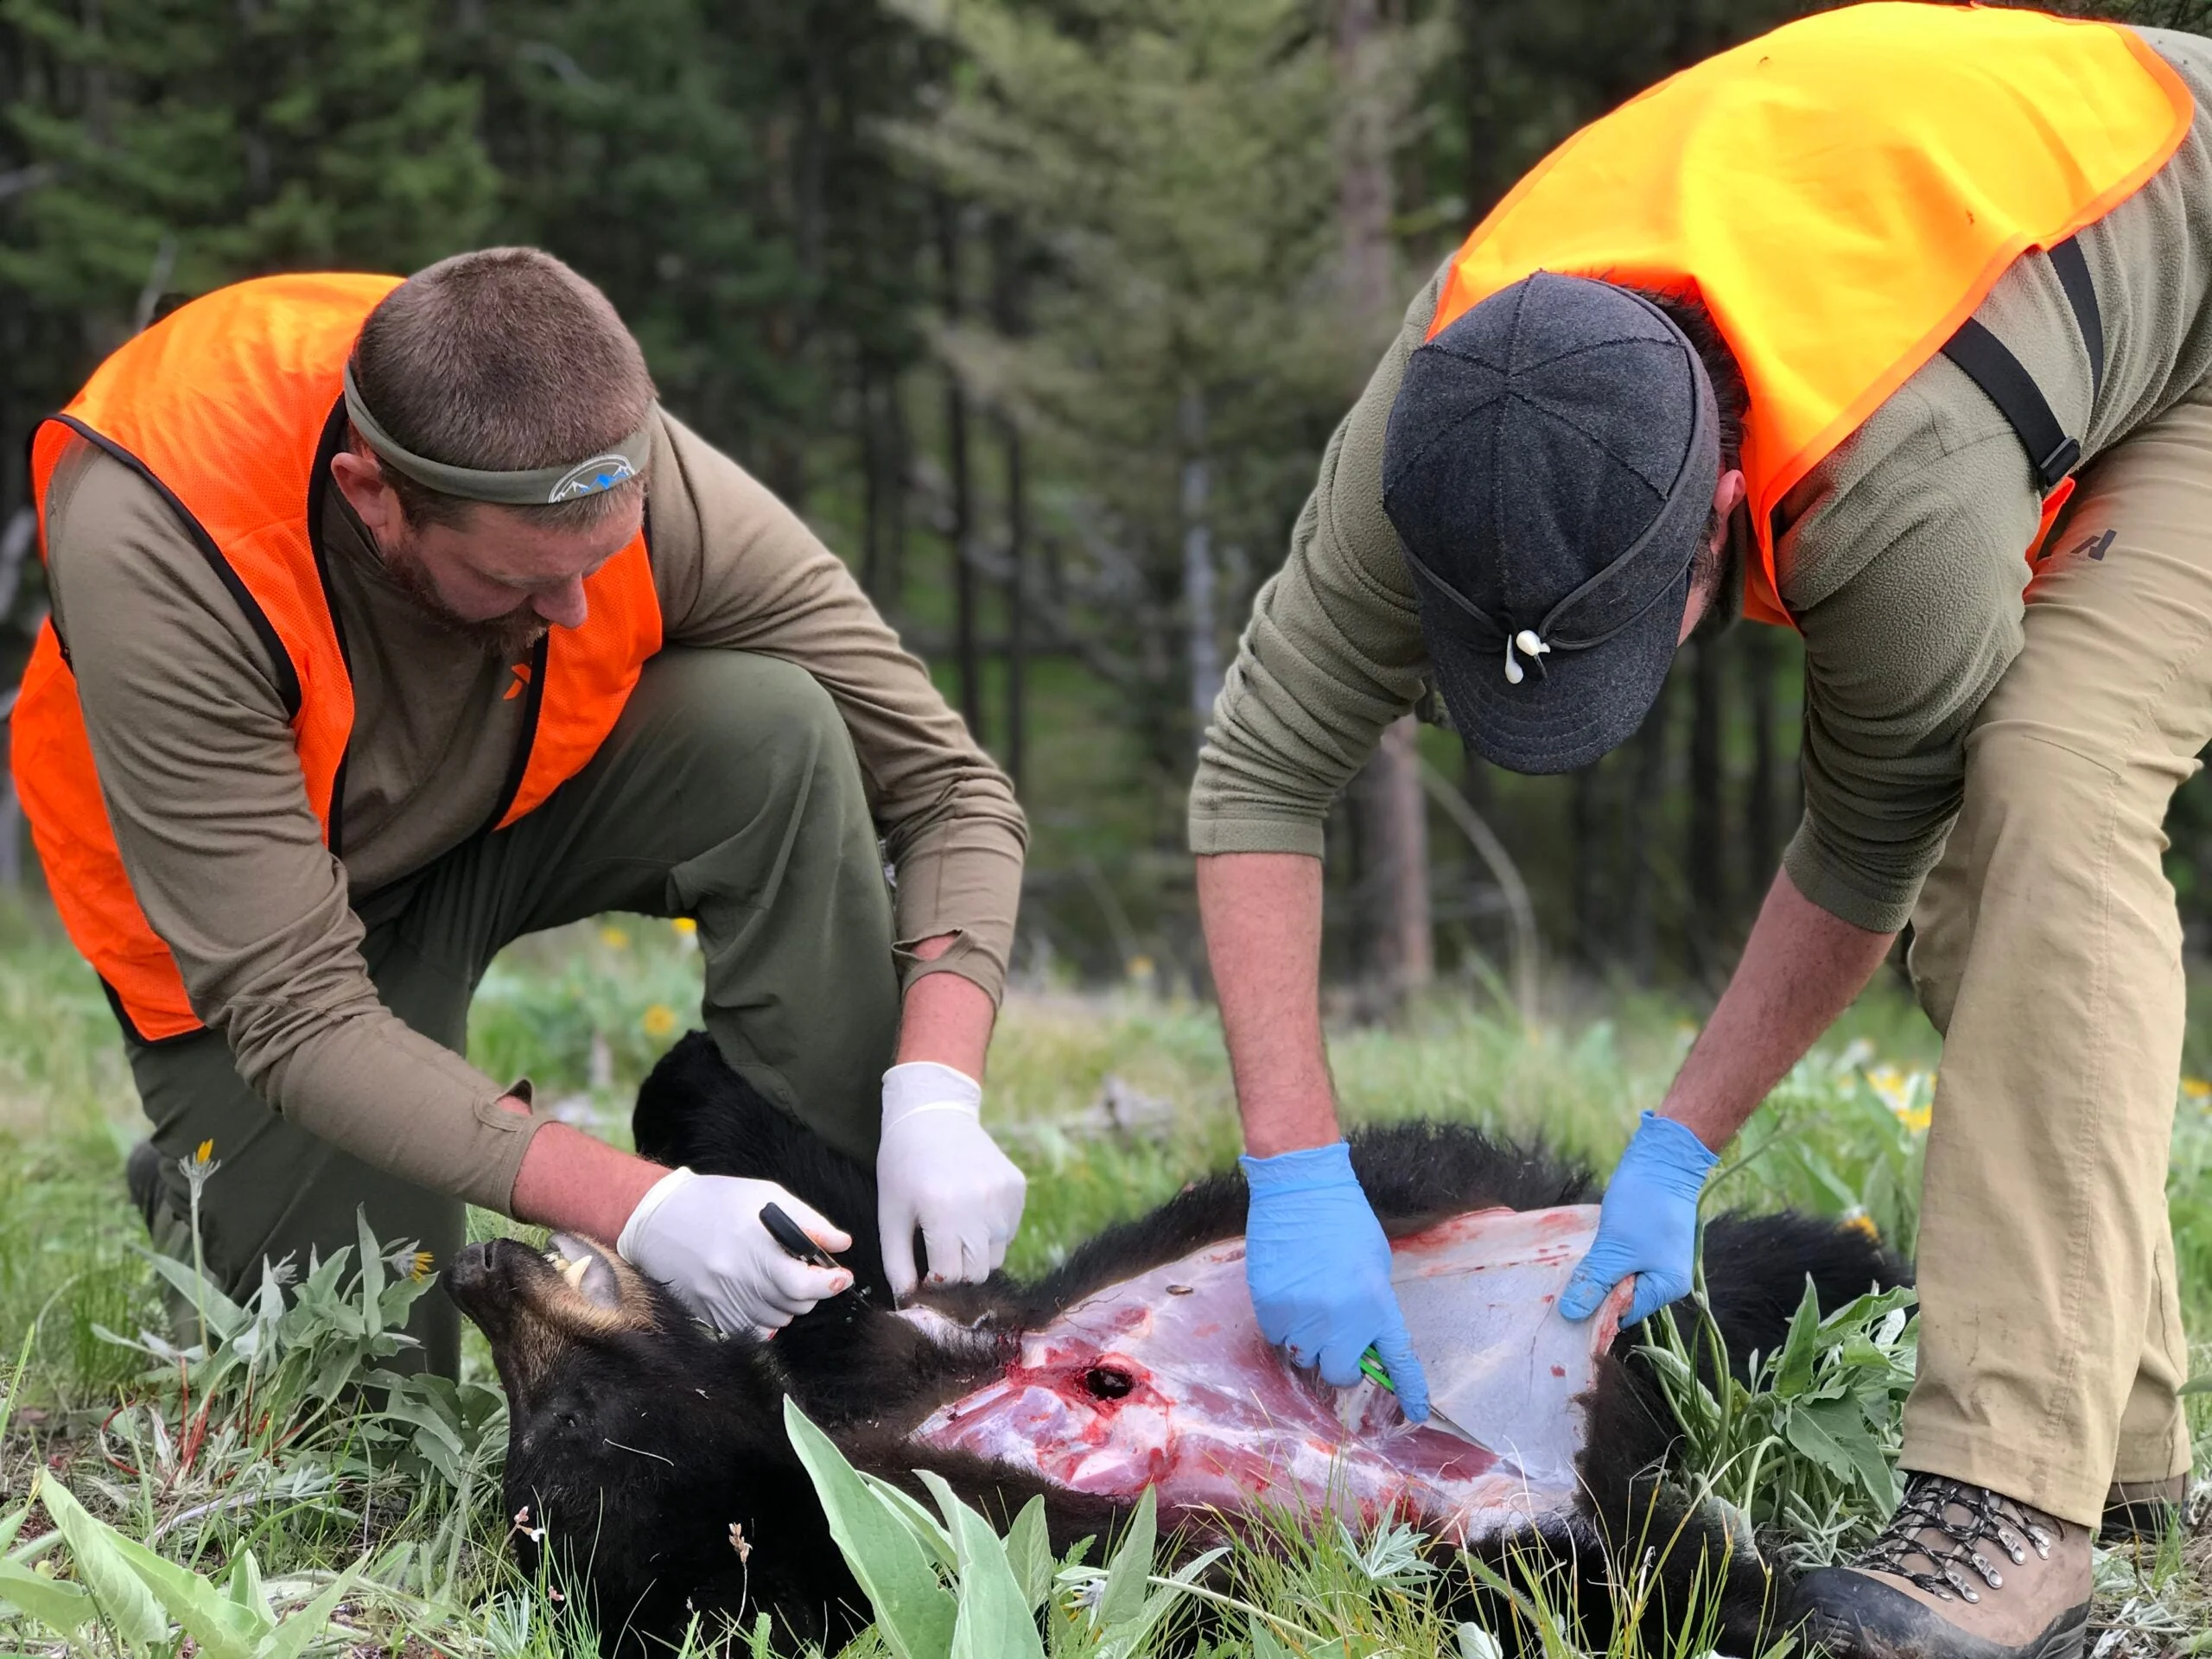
586	1269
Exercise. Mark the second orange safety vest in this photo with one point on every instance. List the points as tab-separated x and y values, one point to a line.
230	408
1841	193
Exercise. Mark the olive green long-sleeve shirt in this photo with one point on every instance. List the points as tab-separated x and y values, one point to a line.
204	789
1900	558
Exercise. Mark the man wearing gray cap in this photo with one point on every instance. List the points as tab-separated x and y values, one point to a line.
393	620
1829	328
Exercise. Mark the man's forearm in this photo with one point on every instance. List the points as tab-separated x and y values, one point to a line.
945	1017
1801	968
572	1183
1261	912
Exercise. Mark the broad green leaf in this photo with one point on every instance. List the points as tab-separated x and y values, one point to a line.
1127	1573
290	1639
1029	1552
61	1606
1265	1644
372	1289
993	1621
12	1524
1793	1370
246	1588
928	1530
913	1611
1129	1637
1806	1434
219	1624
1870	1468
124	1599
224	1317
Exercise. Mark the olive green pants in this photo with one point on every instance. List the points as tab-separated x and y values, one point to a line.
729	791
2047	949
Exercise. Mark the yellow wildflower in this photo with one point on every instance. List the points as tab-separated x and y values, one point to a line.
419	1269
683	924
614	938
659	1020
207	1150
2195	1088
1909	1095
1138	967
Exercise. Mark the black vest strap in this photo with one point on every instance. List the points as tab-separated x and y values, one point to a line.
2073	269
1991	365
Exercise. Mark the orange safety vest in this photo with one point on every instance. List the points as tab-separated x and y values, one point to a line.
230	408
1841	193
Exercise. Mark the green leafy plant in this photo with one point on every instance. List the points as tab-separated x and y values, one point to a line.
948	1586
137	1595
1807	1449
294	1367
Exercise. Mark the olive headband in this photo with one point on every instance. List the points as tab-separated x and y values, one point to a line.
538	487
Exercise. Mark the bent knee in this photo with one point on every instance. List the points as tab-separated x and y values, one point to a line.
735	706
2041	782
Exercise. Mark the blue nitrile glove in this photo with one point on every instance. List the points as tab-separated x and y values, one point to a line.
1648	1224
1319	1268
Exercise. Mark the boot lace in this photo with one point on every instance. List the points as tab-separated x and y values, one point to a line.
1942	1522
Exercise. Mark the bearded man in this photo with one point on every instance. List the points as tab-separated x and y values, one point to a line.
395	620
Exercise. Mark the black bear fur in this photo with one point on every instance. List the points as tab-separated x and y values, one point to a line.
641	1444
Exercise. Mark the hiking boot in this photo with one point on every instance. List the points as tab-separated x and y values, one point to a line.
1960	1573
2141	1511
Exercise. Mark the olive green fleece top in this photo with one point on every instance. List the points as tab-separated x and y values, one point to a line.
1900	558
204	793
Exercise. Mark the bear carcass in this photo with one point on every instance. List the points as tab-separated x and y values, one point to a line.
651	1455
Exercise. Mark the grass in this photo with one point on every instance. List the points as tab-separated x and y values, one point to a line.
412	1505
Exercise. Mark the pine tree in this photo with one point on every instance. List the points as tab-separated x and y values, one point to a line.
1186	350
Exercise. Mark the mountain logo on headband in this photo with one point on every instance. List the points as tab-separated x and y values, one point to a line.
590	477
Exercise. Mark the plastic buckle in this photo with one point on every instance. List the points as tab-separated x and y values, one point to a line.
2058	463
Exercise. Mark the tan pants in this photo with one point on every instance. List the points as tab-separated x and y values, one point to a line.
2047	950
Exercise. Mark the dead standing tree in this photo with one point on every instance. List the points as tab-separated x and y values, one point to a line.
1394	949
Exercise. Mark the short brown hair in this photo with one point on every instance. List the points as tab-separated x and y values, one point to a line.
503	361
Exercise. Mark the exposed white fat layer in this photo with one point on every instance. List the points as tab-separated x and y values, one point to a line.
1142	1384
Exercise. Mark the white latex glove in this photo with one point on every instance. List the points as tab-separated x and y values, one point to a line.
702	1236
938	1169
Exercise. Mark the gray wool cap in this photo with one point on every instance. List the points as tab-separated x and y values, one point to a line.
1549	465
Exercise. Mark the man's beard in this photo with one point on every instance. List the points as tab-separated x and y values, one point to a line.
511	638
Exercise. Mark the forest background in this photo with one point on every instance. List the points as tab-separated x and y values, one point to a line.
1041	311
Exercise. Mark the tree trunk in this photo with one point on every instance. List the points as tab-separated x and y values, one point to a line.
967	657
1202	647
1006	318
1392	830
1705	856
898	455
1586	835
872	492
1396	949
1017	598
1762	827
1639	909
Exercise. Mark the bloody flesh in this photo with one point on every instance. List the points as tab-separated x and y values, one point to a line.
1164	1380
